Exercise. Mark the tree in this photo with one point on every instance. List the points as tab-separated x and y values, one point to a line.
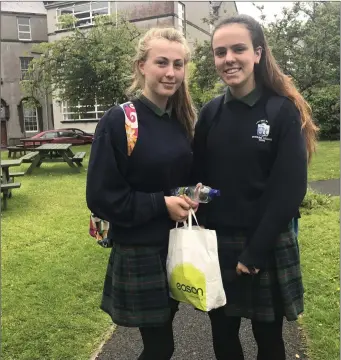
325	104
204	72
201	96
305	41
87	66
204	82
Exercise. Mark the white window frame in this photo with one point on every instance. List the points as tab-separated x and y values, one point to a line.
22	70
67	110
90	11
31	117
181	18
22	31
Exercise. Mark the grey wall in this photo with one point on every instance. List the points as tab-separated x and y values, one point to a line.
9	30
11	51
196	11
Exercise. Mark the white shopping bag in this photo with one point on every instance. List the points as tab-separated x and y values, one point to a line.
193	270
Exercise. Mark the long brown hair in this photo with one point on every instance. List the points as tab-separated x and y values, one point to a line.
181	101
269	73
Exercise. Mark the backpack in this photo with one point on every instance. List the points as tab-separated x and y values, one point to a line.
98	228
272	109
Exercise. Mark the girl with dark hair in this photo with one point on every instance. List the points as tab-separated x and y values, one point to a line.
254	144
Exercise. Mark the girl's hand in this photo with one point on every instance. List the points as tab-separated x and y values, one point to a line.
193	204
177	208
242	269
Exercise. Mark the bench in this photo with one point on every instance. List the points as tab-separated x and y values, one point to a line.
5	189
11	179
16	174
29	156
78	157
13	150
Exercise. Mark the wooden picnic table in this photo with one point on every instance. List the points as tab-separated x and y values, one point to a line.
5	165
35	142
55	153
6	184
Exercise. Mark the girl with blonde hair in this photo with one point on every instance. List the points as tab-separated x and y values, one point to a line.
132	190
254	143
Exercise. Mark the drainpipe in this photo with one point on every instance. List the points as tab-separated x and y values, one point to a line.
46	111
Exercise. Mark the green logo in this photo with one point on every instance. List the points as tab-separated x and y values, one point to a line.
188	285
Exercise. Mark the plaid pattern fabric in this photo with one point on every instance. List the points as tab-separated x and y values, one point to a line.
276	290
135	290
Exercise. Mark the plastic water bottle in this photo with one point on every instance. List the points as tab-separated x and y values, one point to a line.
200	193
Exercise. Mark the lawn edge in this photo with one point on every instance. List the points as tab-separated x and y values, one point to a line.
305	341
106	336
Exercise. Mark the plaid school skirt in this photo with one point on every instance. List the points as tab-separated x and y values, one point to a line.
135	290
277	290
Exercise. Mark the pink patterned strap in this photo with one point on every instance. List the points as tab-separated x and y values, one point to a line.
131	125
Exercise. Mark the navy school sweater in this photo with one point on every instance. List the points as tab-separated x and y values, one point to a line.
262	178
129	191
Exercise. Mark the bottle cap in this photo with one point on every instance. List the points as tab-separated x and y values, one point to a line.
214	192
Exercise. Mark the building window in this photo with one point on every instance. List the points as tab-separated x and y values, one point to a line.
30	118
84	13
24	64
181	18
82	112
2	112
24	28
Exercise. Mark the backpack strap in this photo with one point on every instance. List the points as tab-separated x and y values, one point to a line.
272	110
131	125
213	108
273	107
209	112
97	225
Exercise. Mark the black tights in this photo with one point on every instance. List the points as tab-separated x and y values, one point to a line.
158	342
226	342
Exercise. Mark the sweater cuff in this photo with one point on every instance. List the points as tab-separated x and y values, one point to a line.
159	203
252	260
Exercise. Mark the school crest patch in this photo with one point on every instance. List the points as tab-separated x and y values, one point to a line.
263	131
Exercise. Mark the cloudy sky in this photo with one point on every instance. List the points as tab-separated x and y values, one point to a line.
270	8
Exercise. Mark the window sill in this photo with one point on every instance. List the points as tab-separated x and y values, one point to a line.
78	121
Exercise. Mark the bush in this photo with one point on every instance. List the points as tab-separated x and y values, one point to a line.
200	95
325	103
314	200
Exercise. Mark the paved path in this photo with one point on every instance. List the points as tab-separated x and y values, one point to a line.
192	329
193	340
331	187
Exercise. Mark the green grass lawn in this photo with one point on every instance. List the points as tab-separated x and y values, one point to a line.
320	255
326	162
53	271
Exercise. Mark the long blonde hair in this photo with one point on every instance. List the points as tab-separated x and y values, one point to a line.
269	73
181	101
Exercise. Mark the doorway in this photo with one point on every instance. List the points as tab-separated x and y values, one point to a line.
3	134
4	117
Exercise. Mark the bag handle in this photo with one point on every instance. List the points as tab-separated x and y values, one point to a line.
189	226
